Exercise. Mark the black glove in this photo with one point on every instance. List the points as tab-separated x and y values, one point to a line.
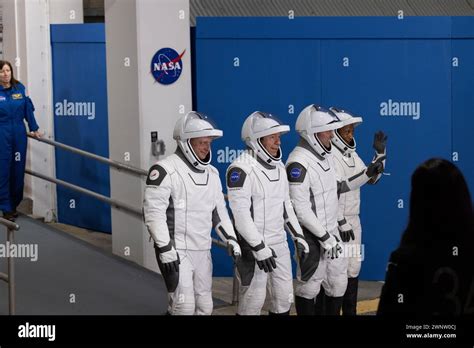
233	248
265	259
374	168
345	231
380	142
334	252
302	249
170	260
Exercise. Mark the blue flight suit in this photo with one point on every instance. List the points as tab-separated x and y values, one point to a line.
15	107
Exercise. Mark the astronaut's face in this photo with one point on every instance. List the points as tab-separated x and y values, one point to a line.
325	138
347	133
271	143
201	146
5	75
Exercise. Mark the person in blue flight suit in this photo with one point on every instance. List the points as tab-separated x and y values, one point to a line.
15	107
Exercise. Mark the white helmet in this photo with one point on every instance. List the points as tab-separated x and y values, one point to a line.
194	125
258	125
315	119
346	119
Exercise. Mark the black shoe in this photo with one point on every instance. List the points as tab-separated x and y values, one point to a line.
304	306
15	214
333	305
320	303
349	304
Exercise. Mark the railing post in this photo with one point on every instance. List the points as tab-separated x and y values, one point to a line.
235	287
11	275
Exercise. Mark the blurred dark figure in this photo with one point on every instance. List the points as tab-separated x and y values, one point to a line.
431	273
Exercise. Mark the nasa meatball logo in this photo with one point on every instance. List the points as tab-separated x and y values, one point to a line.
154	175
295	173
166	66
234	177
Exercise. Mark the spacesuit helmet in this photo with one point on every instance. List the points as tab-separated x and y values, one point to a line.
195	125
346	119
260	124
316	119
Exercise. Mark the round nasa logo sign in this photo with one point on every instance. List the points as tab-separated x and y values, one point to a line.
234	176
295	173
154	175
166	65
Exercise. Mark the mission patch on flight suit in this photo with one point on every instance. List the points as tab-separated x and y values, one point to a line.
156	175
295	172
236	177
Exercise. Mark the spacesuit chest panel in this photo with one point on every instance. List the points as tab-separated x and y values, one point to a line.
195	197
268	194
323	183
349	202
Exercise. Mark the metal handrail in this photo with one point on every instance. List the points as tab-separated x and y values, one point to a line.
112	202
106	160
10	276
80	189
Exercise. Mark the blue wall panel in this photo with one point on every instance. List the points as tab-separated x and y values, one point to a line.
297	62
250	87
80	120
462	63
380	71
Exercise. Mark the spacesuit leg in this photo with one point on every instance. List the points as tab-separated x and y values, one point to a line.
252	296
306	291
202	262
335	283
280	284
356	248
349	305
181	301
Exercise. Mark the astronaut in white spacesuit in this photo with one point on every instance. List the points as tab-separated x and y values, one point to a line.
314	190
347	164
183	202
261	207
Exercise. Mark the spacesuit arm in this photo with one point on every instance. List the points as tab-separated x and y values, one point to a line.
301	198
155	204
293	227
222	224
373	180
354	182
240	201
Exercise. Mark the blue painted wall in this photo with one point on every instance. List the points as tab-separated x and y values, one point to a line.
79	79
358	63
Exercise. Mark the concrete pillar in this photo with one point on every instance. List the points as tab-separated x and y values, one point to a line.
138	104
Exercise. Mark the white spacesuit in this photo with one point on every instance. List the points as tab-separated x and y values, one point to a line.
183	202
314	190
261	207
347	164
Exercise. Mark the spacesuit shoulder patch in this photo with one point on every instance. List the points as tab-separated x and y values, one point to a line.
295	172
236	177
156	175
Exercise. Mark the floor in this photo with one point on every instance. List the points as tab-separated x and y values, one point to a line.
369	291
